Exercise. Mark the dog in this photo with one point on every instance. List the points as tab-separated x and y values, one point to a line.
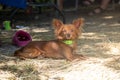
61	48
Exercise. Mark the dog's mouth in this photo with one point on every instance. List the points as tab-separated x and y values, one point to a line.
68	36
65	37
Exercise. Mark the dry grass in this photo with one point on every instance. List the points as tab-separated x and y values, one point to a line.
100	41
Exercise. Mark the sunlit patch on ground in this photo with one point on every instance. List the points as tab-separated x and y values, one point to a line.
100	42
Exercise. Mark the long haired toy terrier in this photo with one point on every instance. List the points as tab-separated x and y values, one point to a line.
62	47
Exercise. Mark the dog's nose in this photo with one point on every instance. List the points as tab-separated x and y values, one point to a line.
68	35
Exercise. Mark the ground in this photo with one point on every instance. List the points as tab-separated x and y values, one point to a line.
100	42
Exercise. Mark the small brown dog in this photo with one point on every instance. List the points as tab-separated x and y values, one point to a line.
62	47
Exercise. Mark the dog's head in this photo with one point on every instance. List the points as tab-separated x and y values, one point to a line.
67	31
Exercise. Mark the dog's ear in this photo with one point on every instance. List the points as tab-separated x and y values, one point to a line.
78	22
57	23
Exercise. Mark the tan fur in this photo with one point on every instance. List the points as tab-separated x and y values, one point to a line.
55	48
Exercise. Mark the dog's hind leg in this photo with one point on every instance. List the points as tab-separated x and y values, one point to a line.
27	53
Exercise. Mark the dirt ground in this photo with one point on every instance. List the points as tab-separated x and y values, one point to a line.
100	42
